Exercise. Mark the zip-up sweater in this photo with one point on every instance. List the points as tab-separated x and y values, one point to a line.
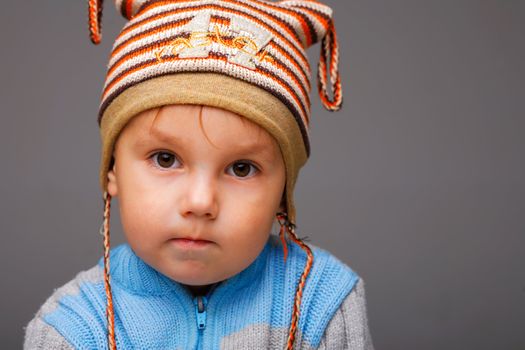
251	310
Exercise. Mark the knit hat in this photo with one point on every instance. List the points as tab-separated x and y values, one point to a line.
245	56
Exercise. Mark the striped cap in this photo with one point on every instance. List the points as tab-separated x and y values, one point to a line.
246	56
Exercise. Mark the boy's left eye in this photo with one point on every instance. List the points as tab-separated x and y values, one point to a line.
164	160
243	169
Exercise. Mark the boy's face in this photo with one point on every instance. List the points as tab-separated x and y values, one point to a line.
174	181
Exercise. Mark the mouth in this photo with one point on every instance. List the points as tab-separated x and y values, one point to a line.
189	243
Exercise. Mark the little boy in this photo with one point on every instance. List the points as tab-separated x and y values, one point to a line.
204	119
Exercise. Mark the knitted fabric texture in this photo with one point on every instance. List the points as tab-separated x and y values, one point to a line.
248	311
246	56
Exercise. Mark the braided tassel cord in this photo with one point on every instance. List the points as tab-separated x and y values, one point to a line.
290	228
109	306
281	217
95	20
330	52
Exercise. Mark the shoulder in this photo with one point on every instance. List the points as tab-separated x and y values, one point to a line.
40	335
327	274
328	284
332	268
69	315
348	328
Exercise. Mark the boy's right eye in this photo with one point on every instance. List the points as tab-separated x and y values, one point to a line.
164	160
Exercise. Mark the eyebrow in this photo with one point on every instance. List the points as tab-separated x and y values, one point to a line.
145	138
161	136
248	147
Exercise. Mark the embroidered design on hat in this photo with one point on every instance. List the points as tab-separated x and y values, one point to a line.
243	42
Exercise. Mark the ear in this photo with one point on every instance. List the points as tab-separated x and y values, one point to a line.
112	179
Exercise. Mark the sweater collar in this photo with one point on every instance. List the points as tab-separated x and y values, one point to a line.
130	272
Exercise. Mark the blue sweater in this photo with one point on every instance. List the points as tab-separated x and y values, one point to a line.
154	312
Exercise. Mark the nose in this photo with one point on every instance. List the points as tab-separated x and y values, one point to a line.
200	197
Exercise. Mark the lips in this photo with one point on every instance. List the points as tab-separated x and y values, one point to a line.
192	239
188	243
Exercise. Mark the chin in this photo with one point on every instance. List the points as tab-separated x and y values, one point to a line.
193	280
190	275
199	277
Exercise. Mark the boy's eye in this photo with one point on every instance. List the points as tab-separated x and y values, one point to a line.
243	169
164	159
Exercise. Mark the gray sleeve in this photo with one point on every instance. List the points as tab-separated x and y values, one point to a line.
348	329
40	335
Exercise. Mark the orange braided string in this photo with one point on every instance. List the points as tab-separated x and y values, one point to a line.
281	217
109	306
95	20
290	228
330	47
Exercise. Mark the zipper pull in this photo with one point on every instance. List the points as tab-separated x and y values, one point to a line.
200	311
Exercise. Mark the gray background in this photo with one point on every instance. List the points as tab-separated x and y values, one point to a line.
418	184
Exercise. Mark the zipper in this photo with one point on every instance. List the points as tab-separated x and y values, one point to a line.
200	303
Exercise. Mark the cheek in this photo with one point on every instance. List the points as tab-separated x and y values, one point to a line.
254	209
141	212
249	217
251	204
137	192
